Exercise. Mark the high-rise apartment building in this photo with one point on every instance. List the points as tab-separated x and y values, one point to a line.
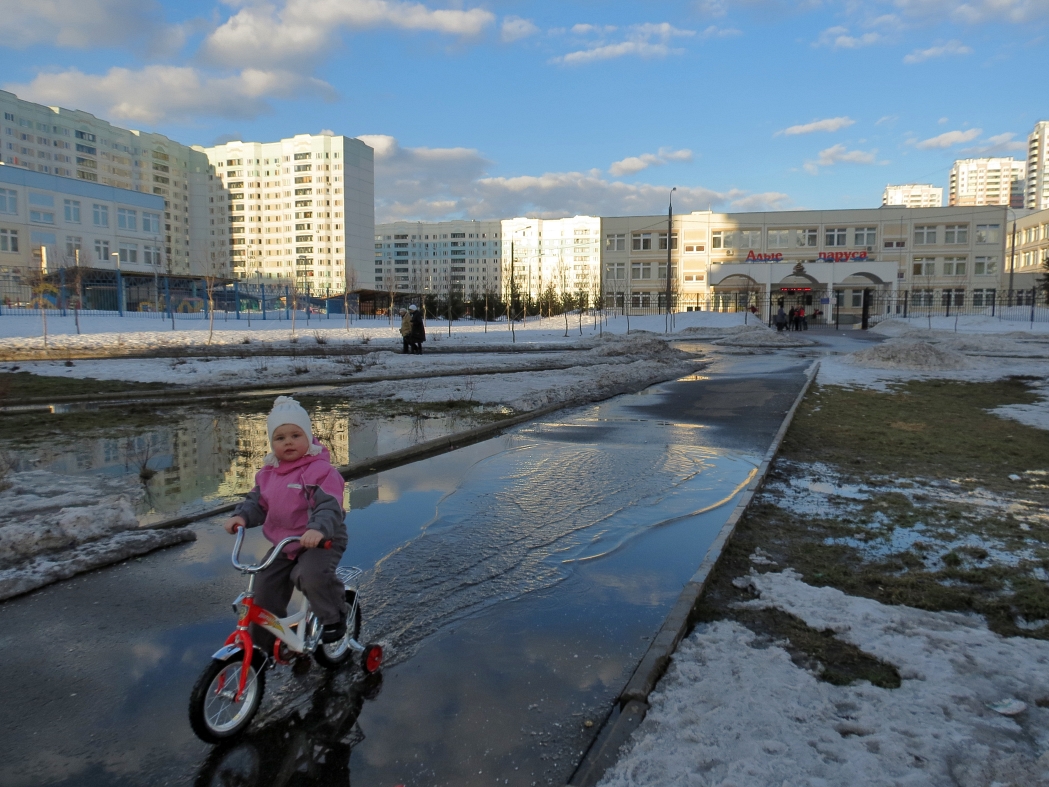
77	145
437	257
301	208
987	181
1038	167
913	195
559	253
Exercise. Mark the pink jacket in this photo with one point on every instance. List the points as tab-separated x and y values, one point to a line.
293	497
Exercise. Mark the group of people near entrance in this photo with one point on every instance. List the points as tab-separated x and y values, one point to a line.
413	332
794	320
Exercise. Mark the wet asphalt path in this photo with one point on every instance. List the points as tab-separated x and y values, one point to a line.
516	583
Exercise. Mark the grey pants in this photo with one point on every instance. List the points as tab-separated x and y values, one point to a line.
313	572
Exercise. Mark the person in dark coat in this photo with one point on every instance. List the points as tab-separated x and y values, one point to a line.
418	334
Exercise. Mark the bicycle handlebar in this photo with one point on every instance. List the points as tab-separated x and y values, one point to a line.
272	555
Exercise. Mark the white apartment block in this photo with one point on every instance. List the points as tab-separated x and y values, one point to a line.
77	145
302	208
1038	167
558	253
49	222
435	258
987	181
913	195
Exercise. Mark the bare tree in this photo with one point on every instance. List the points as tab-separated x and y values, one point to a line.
40	288
351	284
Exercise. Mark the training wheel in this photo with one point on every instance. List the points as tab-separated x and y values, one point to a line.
371	659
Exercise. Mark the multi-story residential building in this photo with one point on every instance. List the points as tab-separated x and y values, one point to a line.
76	145
913	195
1025	263
564	254
437	257
302	208
50	221
1038	167
987	181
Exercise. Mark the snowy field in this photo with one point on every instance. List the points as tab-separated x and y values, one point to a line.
129	334
734	710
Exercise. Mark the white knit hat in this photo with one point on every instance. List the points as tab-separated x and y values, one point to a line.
287	411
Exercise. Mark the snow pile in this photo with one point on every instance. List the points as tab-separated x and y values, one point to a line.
736	711
1005	321
910	354
642	344
55	526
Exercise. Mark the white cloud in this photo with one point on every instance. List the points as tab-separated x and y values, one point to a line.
948	139
88	24
160	93
720	32
442	183
515	28
839	154
634	164
645	40
586	30
886	119
975	11
827	124
839	38
999	144
950	48
302	30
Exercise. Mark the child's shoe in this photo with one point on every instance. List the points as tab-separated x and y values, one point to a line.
333	632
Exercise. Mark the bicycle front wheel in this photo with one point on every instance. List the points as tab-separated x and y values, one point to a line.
215	713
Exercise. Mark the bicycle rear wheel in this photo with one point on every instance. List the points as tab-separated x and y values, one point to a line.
334	654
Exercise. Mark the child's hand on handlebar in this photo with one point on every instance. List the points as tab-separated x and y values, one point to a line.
233	523
311	538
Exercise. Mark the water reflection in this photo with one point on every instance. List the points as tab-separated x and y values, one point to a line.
209	455
307	747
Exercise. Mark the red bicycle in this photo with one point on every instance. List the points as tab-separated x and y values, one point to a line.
229	691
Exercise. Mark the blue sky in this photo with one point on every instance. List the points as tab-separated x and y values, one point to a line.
492	109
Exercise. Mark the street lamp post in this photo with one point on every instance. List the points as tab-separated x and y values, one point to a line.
670	230
1012	254
120	284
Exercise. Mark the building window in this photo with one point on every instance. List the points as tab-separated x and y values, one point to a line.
750	239
42	216
985	266
694	247
924	235
100	214
723	239
129	253
642	241
866	236
663	241
895	244
806	238
924	266
73	245
8	201
836	237
954	266
72	211
956	233
101	250
8	240
151	255
641	270
616	270
127	219
615	242
150	222
779	239
988	233
952	297
857	297
983	297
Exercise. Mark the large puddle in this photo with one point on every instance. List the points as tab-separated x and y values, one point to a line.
516	583
201	457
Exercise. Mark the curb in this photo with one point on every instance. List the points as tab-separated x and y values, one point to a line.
632	704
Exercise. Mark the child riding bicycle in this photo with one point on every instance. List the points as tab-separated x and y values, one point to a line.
297	493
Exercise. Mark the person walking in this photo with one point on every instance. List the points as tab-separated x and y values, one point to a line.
792	319
406	332
781	319
418	332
